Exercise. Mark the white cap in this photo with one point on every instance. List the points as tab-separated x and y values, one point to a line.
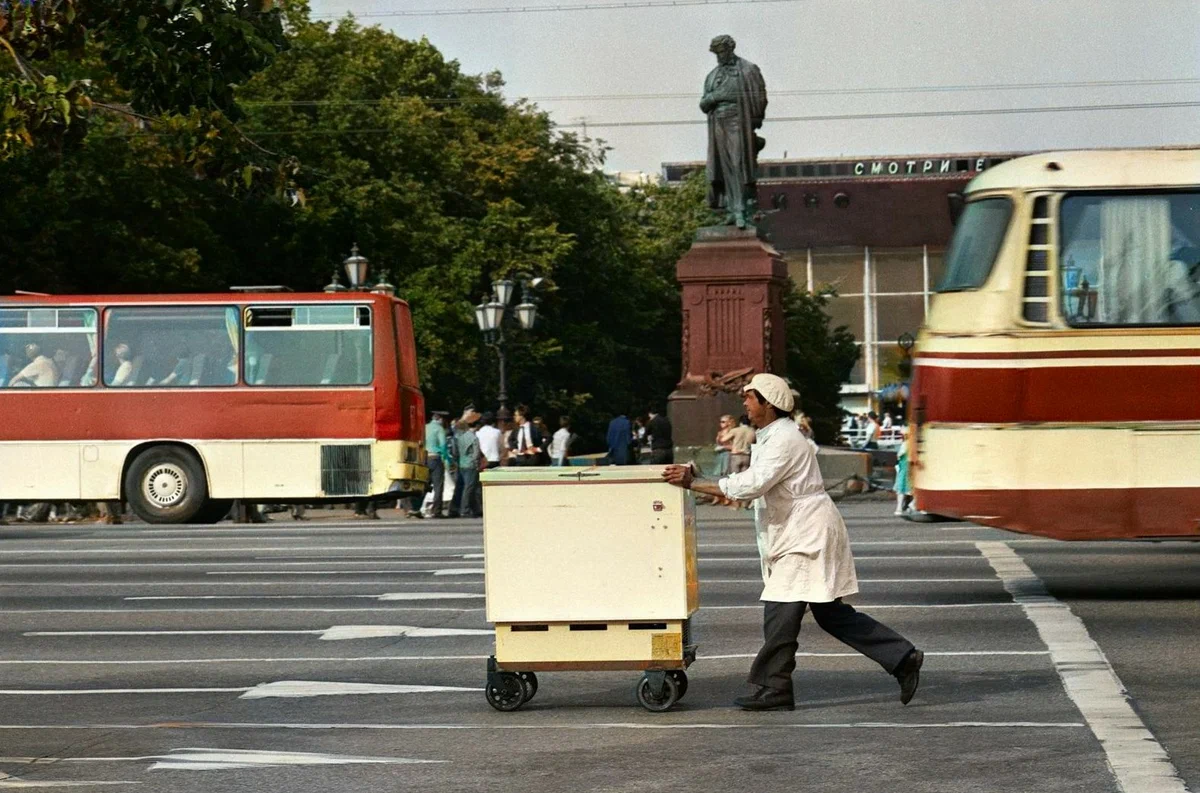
774	389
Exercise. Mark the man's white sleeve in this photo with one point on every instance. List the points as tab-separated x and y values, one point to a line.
768	465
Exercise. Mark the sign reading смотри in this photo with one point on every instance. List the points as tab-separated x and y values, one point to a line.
920	167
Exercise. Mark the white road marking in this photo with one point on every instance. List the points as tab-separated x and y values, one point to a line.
347	632
878	557
416	658
141	550
228	759
991	579
876	607
176	584
341	572
1138	760
387	596
949	653
179	661
288	689
75	692
7	781
298	689
460	571
335	633
780	725
276	610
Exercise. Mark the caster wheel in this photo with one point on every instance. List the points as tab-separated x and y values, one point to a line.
657	701
531	684
681	680
508	693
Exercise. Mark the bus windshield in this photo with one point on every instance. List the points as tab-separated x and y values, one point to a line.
977	240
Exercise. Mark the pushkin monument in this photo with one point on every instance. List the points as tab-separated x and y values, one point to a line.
732	279
735	101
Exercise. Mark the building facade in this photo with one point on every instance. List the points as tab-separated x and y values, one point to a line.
874	231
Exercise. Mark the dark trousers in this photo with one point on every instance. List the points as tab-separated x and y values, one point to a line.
456	500
469	504
662	456
437	473
774	663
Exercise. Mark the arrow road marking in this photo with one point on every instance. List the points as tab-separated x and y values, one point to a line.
335	633
297	689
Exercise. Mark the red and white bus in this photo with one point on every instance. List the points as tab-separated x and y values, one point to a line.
1056	378
179	404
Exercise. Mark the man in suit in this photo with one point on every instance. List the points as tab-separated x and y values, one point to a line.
526	443
662	447
620	437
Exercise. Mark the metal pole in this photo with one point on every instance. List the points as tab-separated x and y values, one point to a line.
503	368
503	375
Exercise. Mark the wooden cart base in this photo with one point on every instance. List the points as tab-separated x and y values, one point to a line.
660	649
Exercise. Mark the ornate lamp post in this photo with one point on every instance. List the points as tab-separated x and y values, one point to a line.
491	313
357	267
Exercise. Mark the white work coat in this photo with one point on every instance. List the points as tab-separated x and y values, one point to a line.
802	540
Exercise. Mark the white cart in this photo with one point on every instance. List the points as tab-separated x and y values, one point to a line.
589	569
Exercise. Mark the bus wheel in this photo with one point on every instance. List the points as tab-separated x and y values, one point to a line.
166	484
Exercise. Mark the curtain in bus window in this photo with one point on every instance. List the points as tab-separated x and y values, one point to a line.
1135	268
89	375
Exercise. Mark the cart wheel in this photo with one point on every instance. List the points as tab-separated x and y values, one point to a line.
531	683
654	701
680	678
508	693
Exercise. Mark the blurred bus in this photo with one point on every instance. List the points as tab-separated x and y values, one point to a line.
1056	385
179	404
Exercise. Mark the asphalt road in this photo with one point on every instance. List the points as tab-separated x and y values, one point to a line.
209	658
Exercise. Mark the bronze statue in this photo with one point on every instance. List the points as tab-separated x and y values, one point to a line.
735	99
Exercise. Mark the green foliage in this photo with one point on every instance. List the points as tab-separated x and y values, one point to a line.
60	61
819	359
351	134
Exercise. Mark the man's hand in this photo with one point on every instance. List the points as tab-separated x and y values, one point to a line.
679	475
707	104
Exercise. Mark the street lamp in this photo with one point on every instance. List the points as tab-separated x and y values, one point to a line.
490	314
356	268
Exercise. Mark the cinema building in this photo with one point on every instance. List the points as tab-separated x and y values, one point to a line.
873	229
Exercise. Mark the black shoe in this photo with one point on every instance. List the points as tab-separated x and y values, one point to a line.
766	699
909	675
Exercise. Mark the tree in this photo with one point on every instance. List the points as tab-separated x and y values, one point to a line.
819	358
268	160
61	61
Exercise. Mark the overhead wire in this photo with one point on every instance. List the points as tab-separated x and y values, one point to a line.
787	119
909	89
609	5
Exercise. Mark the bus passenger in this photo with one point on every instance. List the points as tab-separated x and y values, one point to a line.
124	373
182	373
40	372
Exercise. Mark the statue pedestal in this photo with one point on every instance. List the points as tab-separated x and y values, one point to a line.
732	284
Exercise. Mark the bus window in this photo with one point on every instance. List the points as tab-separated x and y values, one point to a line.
170	346
47	347
1130	259
977	239
308	345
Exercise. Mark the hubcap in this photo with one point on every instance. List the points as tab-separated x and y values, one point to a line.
165	485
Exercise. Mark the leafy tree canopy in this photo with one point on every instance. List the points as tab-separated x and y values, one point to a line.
346	135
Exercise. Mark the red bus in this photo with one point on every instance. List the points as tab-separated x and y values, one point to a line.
1055	380
179	404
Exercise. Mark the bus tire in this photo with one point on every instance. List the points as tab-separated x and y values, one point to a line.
166	484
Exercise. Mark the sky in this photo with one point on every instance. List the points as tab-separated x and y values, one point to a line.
835	46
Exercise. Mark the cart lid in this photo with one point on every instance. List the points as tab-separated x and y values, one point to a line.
565	475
